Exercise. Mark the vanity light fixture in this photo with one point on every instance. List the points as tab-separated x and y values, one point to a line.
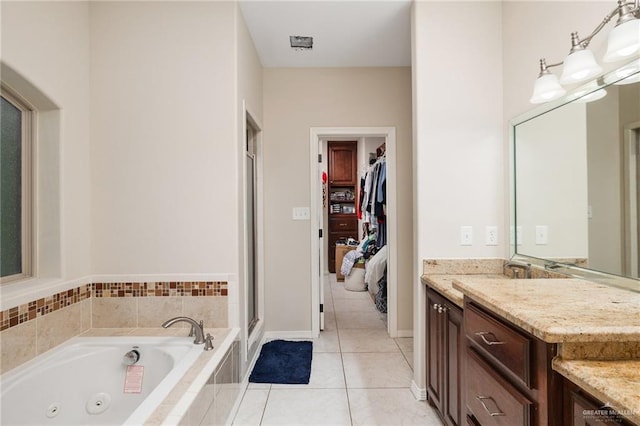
580	65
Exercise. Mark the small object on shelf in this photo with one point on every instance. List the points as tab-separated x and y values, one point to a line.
348	209
345	195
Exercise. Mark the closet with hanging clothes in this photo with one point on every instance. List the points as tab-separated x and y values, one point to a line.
372	211
371	252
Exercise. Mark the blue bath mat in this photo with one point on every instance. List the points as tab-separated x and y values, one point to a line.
283	362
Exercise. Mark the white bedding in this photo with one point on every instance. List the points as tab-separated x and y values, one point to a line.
375	270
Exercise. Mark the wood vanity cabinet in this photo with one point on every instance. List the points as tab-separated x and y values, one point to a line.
444	352
582	409
508	375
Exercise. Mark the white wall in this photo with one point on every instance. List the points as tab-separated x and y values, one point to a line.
458	124
294	101
45	56
458	147
163	132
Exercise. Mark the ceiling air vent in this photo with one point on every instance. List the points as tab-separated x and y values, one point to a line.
301	42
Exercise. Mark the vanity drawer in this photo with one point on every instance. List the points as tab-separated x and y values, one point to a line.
491	399
499	341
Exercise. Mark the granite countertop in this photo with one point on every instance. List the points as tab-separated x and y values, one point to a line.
617	383
559	310
443	284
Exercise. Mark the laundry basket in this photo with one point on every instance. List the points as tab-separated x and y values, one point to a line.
355	280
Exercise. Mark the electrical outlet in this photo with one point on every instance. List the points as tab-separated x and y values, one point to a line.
542	235
466	235
491	235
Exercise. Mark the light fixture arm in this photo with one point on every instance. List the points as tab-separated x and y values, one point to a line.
544	68
625	10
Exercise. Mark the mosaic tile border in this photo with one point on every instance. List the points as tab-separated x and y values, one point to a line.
37	308
161	289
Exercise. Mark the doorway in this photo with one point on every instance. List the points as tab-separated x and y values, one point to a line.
631	154
318	143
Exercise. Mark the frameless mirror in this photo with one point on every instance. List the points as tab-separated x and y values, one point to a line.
576	179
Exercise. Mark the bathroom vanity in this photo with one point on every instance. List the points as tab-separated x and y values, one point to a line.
534	351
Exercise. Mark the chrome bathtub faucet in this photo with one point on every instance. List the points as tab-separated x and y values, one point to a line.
196	328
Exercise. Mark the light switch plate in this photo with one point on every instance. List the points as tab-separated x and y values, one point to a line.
301	213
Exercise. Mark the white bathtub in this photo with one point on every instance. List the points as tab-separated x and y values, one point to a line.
82	381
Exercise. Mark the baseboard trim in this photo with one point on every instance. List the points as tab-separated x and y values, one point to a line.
405	333
273	335
418	393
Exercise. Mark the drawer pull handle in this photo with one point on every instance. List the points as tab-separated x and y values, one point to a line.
342	224
488	342
491	413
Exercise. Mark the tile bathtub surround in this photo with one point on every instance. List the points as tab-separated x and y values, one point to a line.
29	339
52	320
43	306
46	305
132	312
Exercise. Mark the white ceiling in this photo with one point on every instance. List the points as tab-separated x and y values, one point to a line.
361	33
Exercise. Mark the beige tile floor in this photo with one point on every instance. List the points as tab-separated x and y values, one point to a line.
359	375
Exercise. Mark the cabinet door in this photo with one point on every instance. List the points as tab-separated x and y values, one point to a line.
584	410
453	388
343	165
435	343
